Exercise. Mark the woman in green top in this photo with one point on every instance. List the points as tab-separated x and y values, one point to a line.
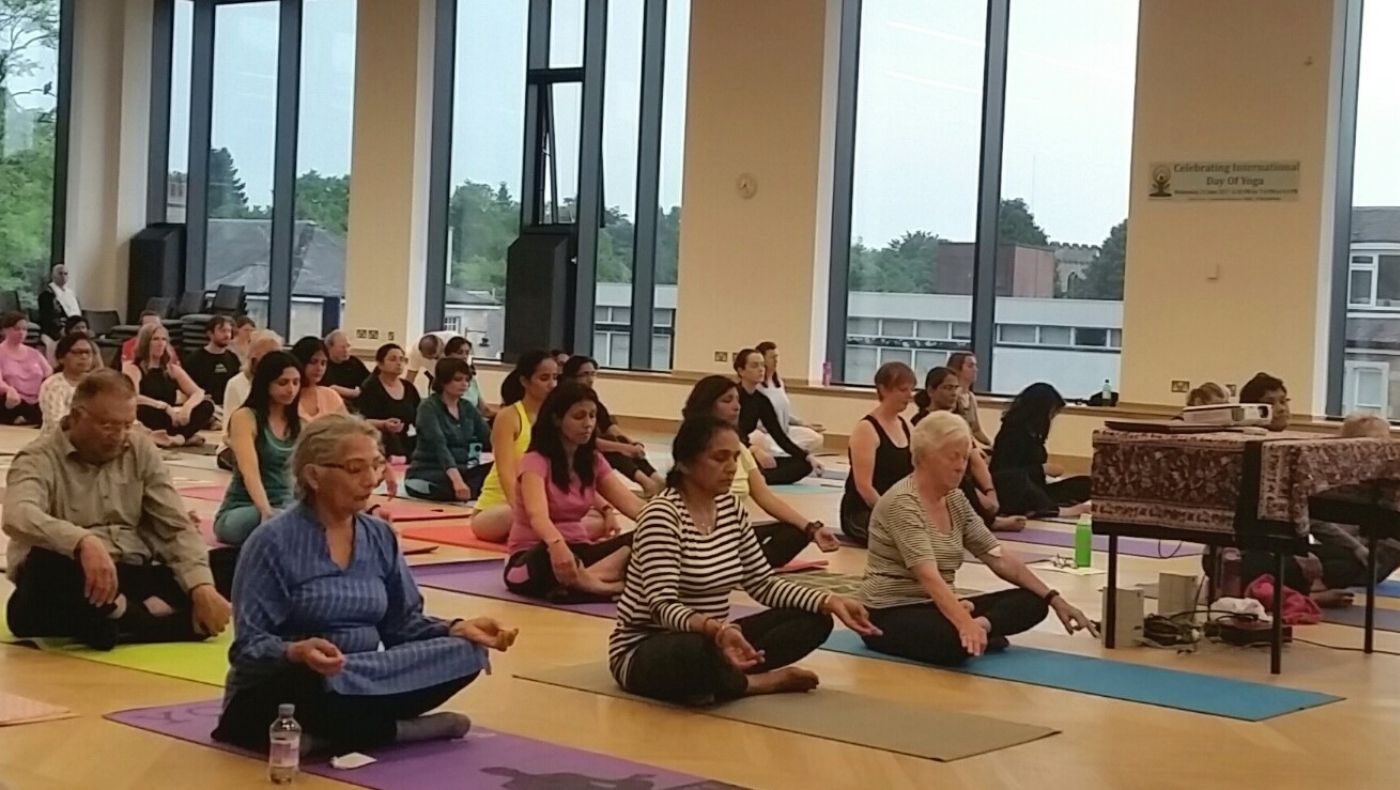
452	435
261	435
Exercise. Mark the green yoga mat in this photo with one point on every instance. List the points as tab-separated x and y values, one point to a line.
202	662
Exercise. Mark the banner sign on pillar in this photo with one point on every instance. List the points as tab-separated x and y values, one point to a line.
1274	180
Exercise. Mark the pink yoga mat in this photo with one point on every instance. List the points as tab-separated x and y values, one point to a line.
483	578
211	492
483	760
417	510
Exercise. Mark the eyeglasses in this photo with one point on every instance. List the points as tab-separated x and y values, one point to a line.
357	468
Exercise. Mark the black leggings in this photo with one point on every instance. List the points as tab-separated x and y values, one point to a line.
789	470
349	723
628	466
30	412
855	518
48	600
781	542
534	574
1020	495
439	485
920	632
201	417
688	668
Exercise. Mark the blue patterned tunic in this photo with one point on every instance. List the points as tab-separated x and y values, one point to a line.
287	588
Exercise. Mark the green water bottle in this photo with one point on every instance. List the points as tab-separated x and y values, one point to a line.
1084	542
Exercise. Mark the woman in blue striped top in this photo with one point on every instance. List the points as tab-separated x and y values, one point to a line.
330	620
692	547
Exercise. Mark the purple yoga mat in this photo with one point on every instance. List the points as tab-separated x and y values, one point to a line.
483	578
1136	547
484	759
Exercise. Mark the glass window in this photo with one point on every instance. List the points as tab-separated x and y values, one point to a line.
601	315
1056	336
896	355
1388	281
242	142
178	161
1064	186
1090	336
962	331
600	348
1016	333
934	330
28	105
663	318
622	103
863	326
861	364
487	153
673	102
918	122
924	361
897	327
619	345
660	352
1115	338
566	33
622	315
323	148
1373	337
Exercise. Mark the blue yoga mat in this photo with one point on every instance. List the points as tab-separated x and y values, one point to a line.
1386	619
1168	688
1386	589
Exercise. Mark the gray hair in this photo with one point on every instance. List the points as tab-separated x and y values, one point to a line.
936	430
335	335
258	337
102	382
320	444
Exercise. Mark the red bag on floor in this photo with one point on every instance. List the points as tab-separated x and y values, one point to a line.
1298	609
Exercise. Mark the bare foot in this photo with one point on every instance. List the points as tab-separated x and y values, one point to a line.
1074	511
1009	523
788	680
195	441
1333	599
161	439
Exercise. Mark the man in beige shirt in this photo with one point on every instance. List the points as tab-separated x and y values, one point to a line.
101	548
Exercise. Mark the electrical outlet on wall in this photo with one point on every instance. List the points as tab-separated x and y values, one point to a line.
721	356
362	333
1181	387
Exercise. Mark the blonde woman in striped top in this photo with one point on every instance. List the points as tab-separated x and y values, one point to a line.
692	547
918	532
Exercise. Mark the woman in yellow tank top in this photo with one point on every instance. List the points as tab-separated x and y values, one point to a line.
522	394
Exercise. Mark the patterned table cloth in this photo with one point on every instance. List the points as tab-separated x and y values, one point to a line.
1192	482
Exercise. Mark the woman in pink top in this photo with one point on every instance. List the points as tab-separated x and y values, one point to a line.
315	400
567	498
22	372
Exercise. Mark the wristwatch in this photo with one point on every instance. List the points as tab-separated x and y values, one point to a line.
1050	595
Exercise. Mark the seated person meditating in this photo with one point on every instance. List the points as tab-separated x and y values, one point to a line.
918	534
692	548
101	548
1020	460
783	540
755	409
446	464
807	435
160	383
214	365
940	393
878	449
345	373
623	454
522	394
76	355
329	618
261	433
316	399
461	348
262	342
391	404
964	363
567	496
22	373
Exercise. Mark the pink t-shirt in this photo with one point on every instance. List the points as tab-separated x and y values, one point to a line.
566	508
25	372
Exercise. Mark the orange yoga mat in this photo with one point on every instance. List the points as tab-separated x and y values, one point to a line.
408	547
453	535
402	510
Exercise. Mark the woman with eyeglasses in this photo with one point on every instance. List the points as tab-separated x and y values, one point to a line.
261	435
330	620
76	355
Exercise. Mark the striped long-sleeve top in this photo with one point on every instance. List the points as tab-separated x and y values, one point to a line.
677	571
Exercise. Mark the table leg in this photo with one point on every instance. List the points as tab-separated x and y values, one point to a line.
1276	649
1110	604
1369	638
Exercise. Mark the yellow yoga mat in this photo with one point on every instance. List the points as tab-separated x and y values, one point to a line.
202	662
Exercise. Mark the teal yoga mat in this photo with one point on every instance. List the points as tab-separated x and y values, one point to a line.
1386	589
805	488
1386	619
1168	688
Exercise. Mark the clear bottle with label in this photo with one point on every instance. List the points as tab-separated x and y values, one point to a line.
284	747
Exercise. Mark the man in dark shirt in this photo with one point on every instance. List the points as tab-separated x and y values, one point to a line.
211	367
345	373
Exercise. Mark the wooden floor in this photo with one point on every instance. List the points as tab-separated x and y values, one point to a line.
1104	743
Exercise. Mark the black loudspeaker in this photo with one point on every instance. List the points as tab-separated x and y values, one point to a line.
541	277
157	266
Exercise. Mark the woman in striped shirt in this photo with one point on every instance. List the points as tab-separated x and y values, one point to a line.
692	547
918	533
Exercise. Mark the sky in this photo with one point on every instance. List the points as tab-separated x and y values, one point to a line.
1071	69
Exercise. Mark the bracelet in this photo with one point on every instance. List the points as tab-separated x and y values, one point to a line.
1051	595
812	528
722	628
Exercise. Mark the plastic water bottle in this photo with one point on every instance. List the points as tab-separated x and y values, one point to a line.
284	747
1107	392
1084	541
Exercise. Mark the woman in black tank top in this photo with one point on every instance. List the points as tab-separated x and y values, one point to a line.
159	384
877	462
